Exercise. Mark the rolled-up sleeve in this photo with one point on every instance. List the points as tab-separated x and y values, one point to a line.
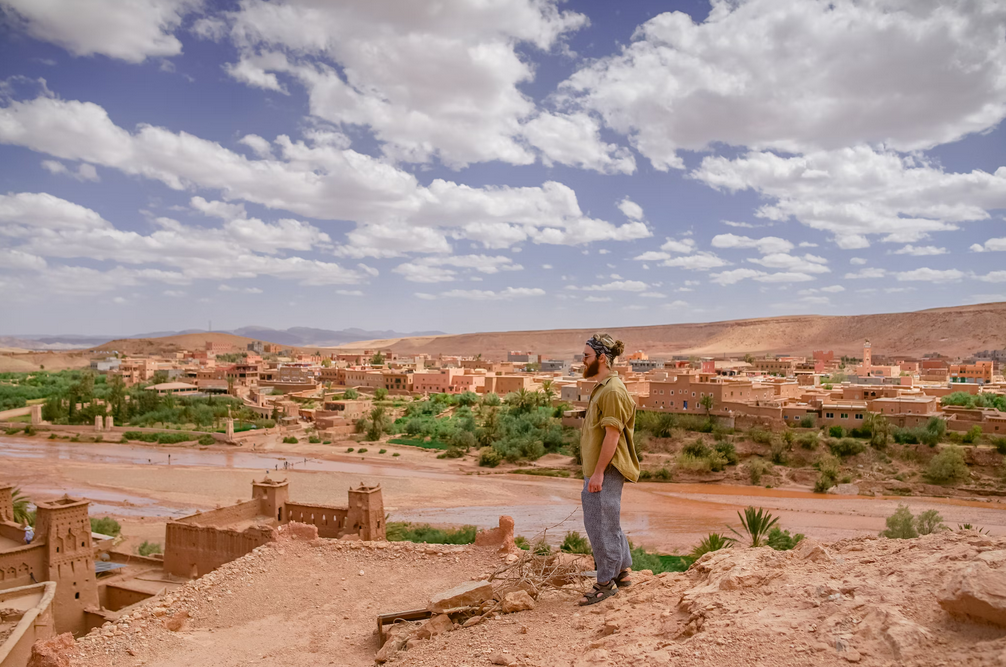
612	411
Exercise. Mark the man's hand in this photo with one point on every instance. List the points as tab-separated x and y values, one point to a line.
596	480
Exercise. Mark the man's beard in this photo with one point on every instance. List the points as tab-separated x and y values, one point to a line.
592	369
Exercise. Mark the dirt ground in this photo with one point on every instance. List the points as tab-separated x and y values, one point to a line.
866	601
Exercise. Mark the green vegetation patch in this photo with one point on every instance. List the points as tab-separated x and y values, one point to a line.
106	526
418	442
403	531
160	437
542	472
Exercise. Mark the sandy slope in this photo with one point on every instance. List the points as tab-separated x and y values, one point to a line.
959	330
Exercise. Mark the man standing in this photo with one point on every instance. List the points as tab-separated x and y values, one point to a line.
609	458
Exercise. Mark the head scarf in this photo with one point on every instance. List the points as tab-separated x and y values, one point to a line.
602	343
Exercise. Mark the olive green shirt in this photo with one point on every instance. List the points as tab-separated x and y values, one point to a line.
610	405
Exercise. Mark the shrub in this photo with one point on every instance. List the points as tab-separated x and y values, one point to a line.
973	435
664	474
947	467
846	447
779	453
451	453
929	522
575	543
106	526
712	542
351	395
900	525
781	540
968	526
657	424
52	436
694	464
402	531
807	422
349	449
362	450
148	548
206	440
290	440
756	468
314	440
542	548
828	477
807	440
489	457
645	474
696	449
836	431
998	443
760	435
757	524
380	393
396	454
327	442
727	451
383	451
29	430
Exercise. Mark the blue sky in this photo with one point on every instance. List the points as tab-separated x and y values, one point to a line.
514	164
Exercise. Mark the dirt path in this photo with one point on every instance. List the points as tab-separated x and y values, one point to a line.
290	604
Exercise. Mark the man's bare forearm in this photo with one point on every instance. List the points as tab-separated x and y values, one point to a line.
608	448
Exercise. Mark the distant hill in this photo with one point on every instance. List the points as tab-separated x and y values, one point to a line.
955	331
294	337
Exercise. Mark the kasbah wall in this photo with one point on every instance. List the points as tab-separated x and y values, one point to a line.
200	543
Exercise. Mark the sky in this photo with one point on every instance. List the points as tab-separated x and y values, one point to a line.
483	165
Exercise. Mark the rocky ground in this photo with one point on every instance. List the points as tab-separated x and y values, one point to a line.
867	601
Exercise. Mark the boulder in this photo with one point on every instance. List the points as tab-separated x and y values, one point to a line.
468	594
517	601
901	636
976	591
177	621
432	627
993	558
845	490
501	538
52	652
812	550
297	531
501	659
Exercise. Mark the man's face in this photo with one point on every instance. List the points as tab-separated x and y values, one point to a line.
591	363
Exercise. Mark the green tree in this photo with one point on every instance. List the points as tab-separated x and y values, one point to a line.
351	394
377	359
707	404
380	393
548	390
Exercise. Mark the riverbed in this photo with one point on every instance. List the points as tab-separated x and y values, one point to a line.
140	483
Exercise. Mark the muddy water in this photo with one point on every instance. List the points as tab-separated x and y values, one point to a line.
137	480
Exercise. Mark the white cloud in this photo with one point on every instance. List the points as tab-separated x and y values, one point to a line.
85	172
807	244
546	266
631	209
260	146
25	213
653	295
993	277
990	245
700	261
132	31
866	273
737	275
860	191
435	269
858	261
766	245
218	209
832	289
488	295
931	275
349	292
741	225
615	286
384	64
802	76
598	299
317	178
574	140
918	251
806	264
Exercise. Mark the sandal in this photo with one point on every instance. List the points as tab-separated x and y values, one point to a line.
600	593
622	580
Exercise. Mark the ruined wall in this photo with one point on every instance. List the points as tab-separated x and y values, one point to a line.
192	551
69	558
17	566
116	597
6	503
225	516
330	521
36	624
12	531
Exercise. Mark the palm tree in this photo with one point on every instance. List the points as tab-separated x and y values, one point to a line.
21	512
546	388
757	524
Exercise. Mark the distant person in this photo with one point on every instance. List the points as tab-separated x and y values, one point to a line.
29	534
609	459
